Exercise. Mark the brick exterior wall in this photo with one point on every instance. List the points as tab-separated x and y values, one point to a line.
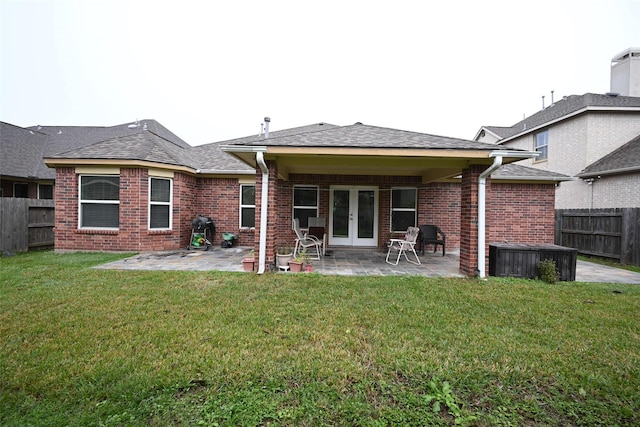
521	213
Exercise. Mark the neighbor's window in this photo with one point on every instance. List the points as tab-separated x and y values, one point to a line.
21	190
160	211
542	144
247	206
45	191
305	204
403	208
99	201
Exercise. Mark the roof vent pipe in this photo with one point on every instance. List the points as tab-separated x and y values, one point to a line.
267	120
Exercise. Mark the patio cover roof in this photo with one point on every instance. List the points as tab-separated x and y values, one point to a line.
368	150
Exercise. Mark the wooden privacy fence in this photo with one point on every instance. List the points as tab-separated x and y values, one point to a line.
608	233
25	224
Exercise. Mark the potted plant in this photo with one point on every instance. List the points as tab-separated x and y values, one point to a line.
249	261
295	264
284	255
306	259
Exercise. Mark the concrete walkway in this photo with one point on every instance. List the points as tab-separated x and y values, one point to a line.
349	262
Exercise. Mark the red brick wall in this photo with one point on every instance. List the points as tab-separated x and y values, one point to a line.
439	204
520	213
133	233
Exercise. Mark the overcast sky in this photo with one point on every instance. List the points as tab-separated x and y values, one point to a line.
211	70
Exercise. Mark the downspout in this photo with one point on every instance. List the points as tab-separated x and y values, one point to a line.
262	258
482	184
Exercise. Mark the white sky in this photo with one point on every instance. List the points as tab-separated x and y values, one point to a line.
211	70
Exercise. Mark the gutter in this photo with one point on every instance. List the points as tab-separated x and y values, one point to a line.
263	212
482	184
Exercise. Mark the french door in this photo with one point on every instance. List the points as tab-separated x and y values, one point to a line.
353	220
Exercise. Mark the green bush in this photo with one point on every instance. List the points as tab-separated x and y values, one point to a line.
548	271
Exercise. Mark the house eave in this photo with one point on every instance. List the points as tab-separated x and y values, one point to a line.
57	162
619	171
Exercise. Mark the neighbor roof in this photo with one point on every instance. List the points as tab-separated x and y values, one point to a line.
567	107
23	149
625	159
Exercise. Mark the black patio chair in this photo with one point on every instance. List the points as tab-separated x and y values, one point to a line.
431	234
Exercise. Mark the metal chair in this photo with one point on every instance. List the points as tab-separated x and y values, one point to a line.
317	228
431	234
305	241
404	245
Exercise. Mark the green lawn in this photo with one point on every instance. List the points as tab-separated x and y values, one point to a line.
118	348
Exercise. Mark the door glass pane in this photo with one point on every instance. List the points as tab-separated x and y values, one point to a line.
366	204
340	213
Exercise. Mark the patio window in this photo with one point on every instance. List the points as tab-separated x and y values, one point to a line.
160	210
45	191
99	201
305	204
542	144
247	206
403	208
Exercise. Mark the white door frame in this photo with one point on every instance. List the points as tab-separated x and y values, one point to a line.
352	238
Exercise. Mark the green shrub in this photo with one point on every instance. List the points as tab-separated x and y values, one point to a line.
548	271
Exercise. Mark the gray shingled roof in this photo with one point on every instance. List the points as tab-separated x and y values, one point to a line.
514	171
625	159
211	158
144	145
23	149
565	107
365	136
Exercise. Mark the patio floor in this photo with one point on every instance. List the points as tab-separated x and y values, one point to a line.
343	262
349	262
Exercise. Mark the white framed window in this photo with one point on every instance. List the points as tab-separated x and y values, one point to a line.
404	202
160	203
305	203
99	205
247	205
542	145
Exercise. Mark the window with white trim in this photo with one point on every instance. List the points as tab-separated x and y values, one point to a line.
542	145
305	203
99	201
403	208
247	205
160	203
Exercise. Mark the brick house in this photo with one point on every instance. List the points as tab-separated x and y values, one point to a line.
139	192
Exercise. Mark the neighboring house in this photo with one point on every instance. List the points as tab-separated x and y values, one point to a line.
577	136
140	192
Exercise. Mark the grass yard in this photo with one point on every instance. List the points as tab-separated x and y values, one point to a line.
119	348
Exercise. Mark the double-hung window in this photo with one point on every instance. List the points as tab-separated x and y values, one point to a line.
99	201
247	205
403	208
45	191
160	209
305	204
542	144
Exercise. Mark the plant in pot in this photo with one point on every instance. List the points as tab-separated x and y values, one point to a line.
306	259
295	264
284	255
248	262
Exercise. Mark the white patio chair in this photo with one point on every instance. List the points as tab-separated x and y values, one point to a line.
404	245
305	241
